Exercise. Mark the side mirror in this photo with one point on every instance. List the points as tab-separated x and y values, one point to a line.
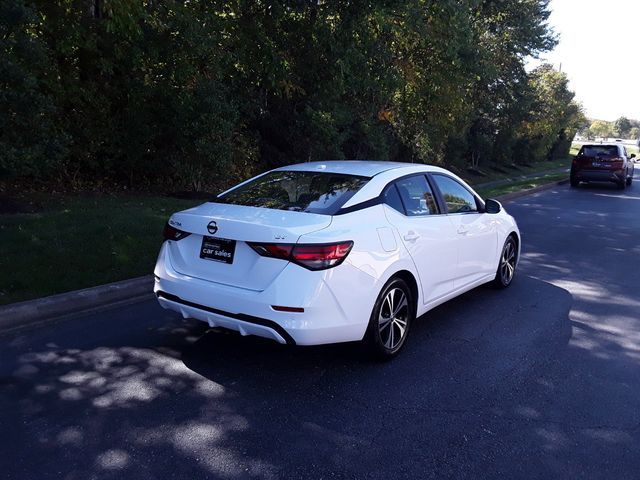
492	206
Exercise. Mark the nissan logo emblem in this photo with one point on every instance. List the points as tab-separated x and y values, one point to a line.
212	228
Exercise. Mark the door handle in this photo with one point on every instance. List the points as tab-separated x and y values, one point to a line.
462	231
411	236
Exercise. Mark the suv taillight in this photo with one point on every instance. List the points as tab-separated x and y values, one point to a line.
172	233
312	256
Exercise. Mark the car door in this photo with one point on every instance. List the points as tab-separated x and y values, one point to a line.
476	232
427	234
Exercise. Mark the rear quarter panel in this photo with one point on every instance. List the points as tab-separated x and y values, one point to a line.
377	251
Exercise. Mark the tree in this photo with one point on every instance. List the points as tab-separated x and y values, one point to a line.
199	93
587	133
554	117
602	129
621	127
503	34
32	141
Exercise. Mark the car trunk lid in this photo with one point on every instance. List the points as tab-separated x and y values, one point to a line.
216	249
599	157
600	162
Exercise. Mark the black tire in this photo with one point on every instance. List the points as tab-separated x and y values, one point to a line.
381	339
574	182
506	264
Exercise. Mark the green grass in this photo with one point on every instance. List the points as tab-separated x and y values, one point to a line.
523	185
79	242
491	175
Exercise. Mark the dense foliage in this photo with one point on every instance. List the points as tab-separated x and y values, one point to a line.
190	92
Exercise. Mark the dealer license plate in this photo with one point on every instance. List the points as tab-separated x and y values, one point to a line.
218	249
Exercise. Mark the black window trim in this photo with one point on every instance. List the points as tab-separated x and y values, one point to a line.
442	206
360	206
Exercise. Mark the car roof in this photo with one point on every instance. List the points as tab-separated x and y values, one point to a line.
601	145
365	168
380	173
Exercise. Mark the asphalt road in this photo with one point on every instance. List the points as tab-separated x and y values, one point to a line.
539	381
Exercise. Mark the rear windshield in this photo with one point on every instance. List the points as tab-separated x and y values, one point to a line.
599	151
312	192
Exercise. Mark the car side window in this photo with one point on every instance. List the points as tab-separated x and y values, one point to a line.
457	198
392	198
417	196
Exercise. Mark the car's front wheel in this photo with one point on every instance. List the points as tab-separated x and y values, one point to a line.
507	265
390	320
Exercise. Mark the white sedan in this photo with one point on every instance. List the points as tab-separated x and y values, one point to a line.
337	251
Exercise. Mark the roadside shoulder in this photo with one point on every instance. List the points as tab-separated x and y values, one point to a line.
53	307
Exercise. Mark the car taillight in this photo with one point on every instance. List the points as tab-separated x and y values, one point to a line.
275	250
319	257
311	256
172	233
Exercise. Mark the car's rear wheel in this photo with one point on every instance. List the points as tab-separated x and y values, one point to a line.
392	315
507	265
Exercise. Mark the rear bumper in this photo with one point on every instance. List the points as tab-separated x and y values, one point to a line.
616	176
245	324
337	303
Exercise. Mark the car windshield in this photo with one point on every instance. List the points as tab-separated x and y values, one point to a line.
599	151
312	192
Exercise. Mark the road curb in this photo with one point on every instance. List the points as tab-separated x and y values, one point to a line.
17	315
30	312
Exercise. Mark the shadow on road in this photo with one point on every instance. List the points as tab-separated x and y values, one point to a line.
184	400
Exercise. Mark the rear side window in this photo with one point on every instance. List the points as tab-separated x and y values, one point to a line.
599	151
457	198
392	198
312	192
417	196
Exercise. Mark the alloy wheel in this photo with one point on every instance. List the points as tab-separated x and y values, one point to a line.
508	263
393	318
